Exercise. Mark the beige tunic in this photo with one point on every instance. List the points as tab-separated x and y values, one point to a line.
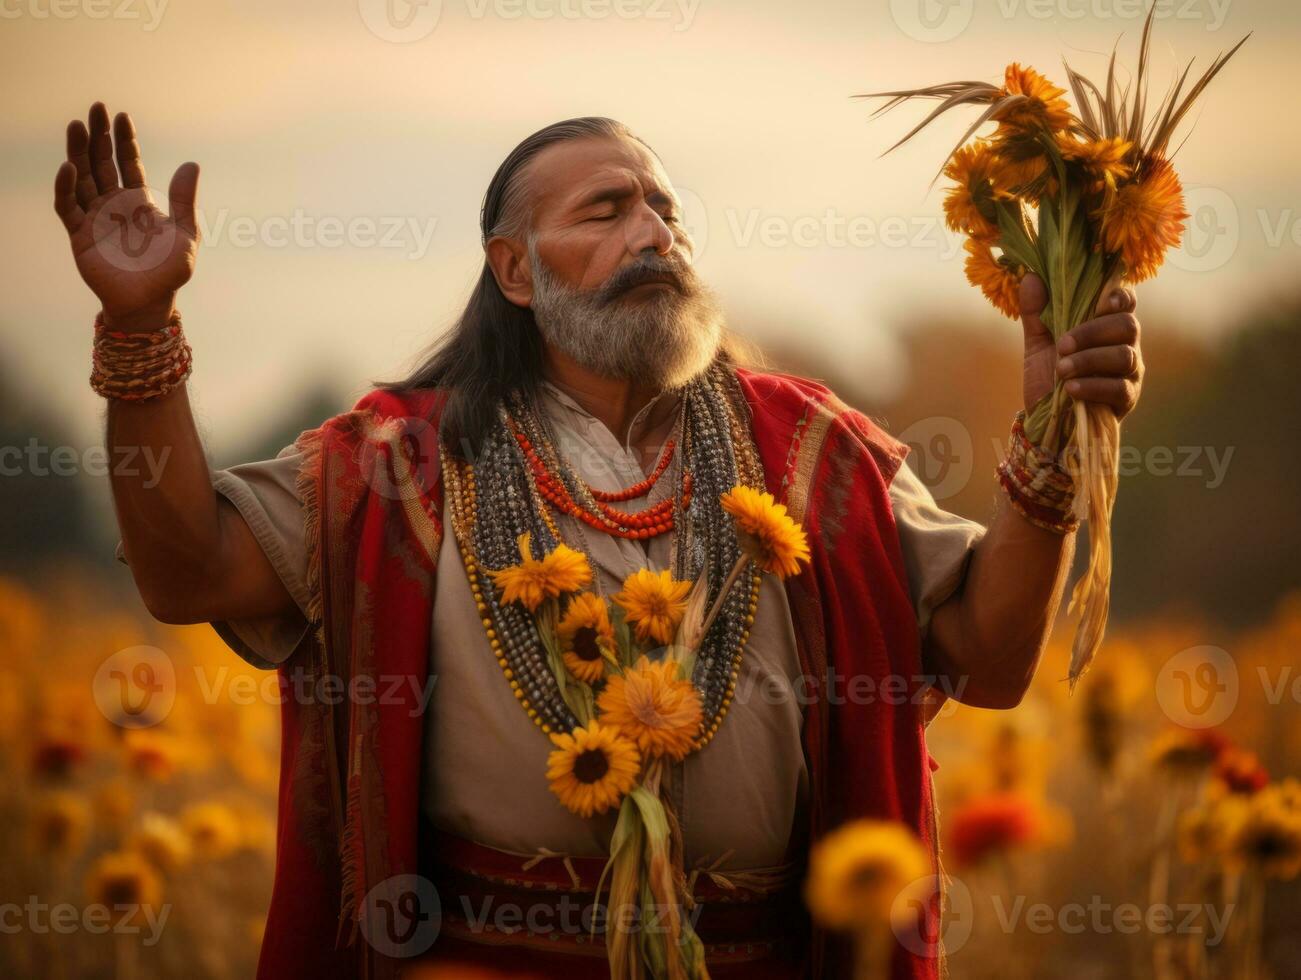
739	799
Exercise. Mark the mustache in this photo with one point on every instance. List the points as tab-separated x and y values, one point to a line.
650	268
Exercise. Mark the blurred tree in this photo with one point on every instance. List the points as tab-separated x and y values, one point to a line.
41	489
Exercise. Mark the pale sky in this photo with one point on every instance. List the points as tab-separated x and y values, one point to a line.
346	146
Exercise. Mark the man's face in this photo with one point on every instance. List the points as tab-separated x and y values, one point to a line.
598	205
612	286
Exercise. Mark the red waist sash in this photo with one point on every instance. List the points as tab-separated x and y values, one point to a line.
527	915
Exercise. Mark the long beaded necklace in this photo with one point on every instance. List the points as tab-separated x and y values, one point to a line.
715	450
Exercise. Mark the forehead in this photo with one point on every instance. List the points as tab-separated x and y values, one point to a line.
566	173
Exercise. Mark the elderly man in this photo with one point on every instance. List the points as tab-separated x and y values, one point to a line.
589	398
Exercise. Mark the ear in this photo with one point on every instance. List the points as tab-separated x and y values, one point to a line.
509	261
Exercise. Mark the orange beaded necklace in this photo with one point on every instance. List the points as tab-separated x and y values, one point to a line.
647	523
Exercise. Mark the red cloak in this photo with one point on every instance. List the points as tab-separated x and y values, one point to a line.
350	765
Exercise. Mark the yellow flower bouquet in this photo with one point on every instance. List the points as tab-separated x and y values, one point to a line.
637	714
1084	199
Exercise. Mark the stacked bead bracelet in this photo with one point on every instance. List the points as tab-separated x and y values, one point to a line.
139	366
1037	485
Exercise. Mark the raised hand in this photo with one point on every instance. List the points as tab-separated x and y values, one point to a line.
131	255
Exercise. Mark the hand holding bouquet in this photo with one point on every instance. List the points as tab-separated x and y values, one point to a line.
1083	199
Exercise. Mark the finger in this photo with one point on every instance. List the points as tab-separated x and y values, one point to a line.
181	193
1119	300
1033	299
1114	361
1114	328
1119	393
65	197
101	150
79	157
128	151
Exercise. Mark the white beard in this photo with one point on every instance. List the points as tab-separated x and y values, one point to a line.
663	340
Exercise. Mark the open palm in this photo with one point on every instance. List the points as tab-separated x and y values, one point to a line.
133	256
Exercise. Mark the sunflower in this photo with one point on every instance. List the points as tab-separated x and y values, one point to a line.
1104	159
969	204
592	769
998	278
1187	751
59	825
532	580
1142	218
1020	166
161	841
1268	836
122	879
765	531
152	754
213	830
1042	108
654	603
586	637
650	704
860	875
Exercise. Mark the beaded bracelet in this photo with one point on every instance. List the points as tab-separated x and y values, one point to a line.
139	366
1037	485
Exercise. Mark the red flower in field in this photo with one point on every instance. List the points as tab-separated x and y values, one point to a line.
56	757
991	825
1241	771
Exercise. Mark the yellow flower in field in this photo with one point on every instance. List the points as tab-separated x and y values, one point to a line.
654	603
1042	105
997	278
123	878
152	754
1142	218
650	704
1268	835
586	637
766	532
161	841
1187	751
59	825
1105	159
969	205
1020	167
533	580
861	875
592	768
213	830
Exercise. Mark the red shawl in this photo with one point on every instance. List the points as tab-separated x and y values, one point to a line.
350	771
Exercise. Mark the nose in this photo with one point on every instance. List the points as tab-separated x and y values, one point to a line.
650	233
